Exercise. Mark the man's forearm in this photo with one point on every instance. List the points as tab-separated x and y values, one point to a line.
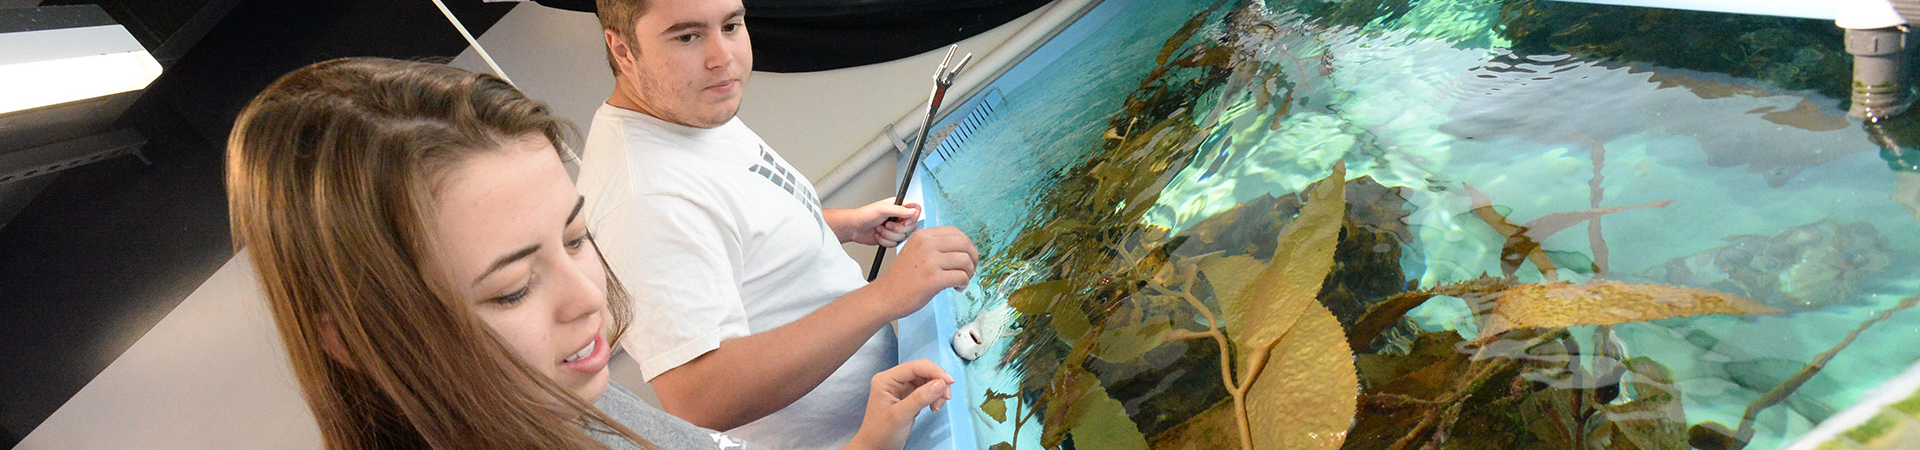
750	377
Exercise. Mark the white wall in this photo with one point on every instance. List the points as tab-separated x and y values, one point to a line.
211	374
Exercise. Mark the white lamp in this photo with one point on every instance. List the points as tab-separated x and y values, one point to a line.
53	66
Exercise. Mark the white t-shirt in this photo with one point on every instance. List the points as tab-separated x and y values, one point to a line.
716	237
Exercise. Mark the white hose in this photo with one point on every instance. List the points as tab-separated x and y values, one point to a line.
474	42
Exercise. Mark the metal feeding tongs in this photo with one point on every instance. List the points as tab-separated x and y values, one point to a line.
942	79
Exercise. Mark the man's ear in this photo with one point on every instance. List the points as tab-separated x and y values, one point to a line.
618	49
332	344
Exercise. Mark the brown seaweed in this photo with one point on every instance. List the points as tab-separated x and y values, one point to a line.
1133	335
1523	241
1714	436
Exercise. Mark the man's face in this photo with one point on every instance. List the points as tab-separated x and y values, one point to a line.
690	60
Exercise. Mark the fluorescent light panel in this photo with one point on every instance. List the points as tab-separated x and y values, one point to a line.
50	67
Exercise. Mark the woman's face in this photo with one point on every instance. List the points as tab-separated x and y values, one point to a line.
510	234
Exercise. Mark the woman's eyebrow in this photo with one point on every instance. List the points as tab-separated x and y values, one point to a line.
505	260
578	204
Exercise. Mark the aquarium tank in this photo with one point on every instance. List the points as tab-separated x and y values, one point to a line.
1427	224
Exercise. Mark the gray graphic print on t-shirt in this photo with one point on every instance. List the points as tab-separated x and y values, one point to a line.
785	178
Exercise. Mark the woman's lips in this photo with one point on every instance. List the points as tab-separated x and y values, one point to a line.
595	362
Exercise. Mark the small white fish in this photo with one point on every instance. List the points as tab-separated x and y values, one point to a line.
974	338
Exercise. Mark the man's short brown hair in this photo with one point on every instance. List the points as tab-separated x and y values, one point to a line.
620	16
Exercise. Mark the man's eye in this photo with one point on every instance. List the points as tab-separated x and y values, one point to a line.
732	27
685	38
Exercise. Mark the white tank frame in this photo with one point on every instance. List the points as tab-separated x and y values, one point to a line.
1057	16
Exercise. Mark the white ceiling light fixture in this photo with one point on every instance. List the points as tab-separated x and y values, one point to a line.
55	55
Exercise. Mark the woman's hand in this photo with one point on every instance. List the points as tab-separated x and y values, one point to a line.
897	396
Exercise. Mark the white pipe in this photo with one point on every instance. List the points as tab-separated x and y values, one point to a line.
1866	14
1806	9
1056	17
1855	14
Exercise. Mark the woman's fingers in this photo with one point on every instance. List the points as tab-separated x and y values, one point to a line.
897	396
930	394
901	380
921	369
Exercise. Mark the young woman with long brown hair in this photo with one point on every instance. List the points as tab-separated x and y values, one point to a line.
421	246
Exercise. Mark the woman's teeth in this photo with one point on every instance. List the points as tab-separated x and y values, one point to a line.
584	352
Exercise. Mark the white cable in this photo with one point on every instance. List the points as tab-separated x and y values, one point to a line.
566	150
474	42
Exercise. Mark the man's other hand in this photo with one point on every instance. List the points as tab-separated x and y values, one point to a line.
937	258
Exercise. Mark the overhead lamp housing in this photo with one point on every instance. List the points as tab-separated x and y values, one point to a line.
61	54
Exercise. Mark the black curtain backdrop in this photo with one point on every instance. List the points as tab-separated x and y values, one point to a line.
815	35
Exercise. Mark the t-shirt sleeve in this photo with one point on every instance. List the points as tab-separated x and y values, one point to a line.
678	260
656	426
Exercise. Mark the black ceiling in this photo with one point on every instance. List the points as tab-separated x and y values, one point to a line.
259	40
815	35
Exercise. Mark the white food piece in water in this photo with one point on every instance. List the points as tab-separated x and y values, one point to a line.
974	338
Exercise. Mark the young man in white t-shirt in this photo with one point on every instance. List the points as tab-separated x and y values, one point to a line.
752	319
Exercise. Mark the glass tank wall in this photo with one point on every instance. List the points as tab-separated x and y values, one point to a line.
1401	224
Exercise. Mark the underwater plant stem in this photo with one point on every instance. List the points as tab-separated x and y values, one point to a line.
1414	435
1786	388
1239	399
1238	391
1583	406
1302	67
1595	242
1017	420
1482	368
1459	393
1258	361
1255	362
